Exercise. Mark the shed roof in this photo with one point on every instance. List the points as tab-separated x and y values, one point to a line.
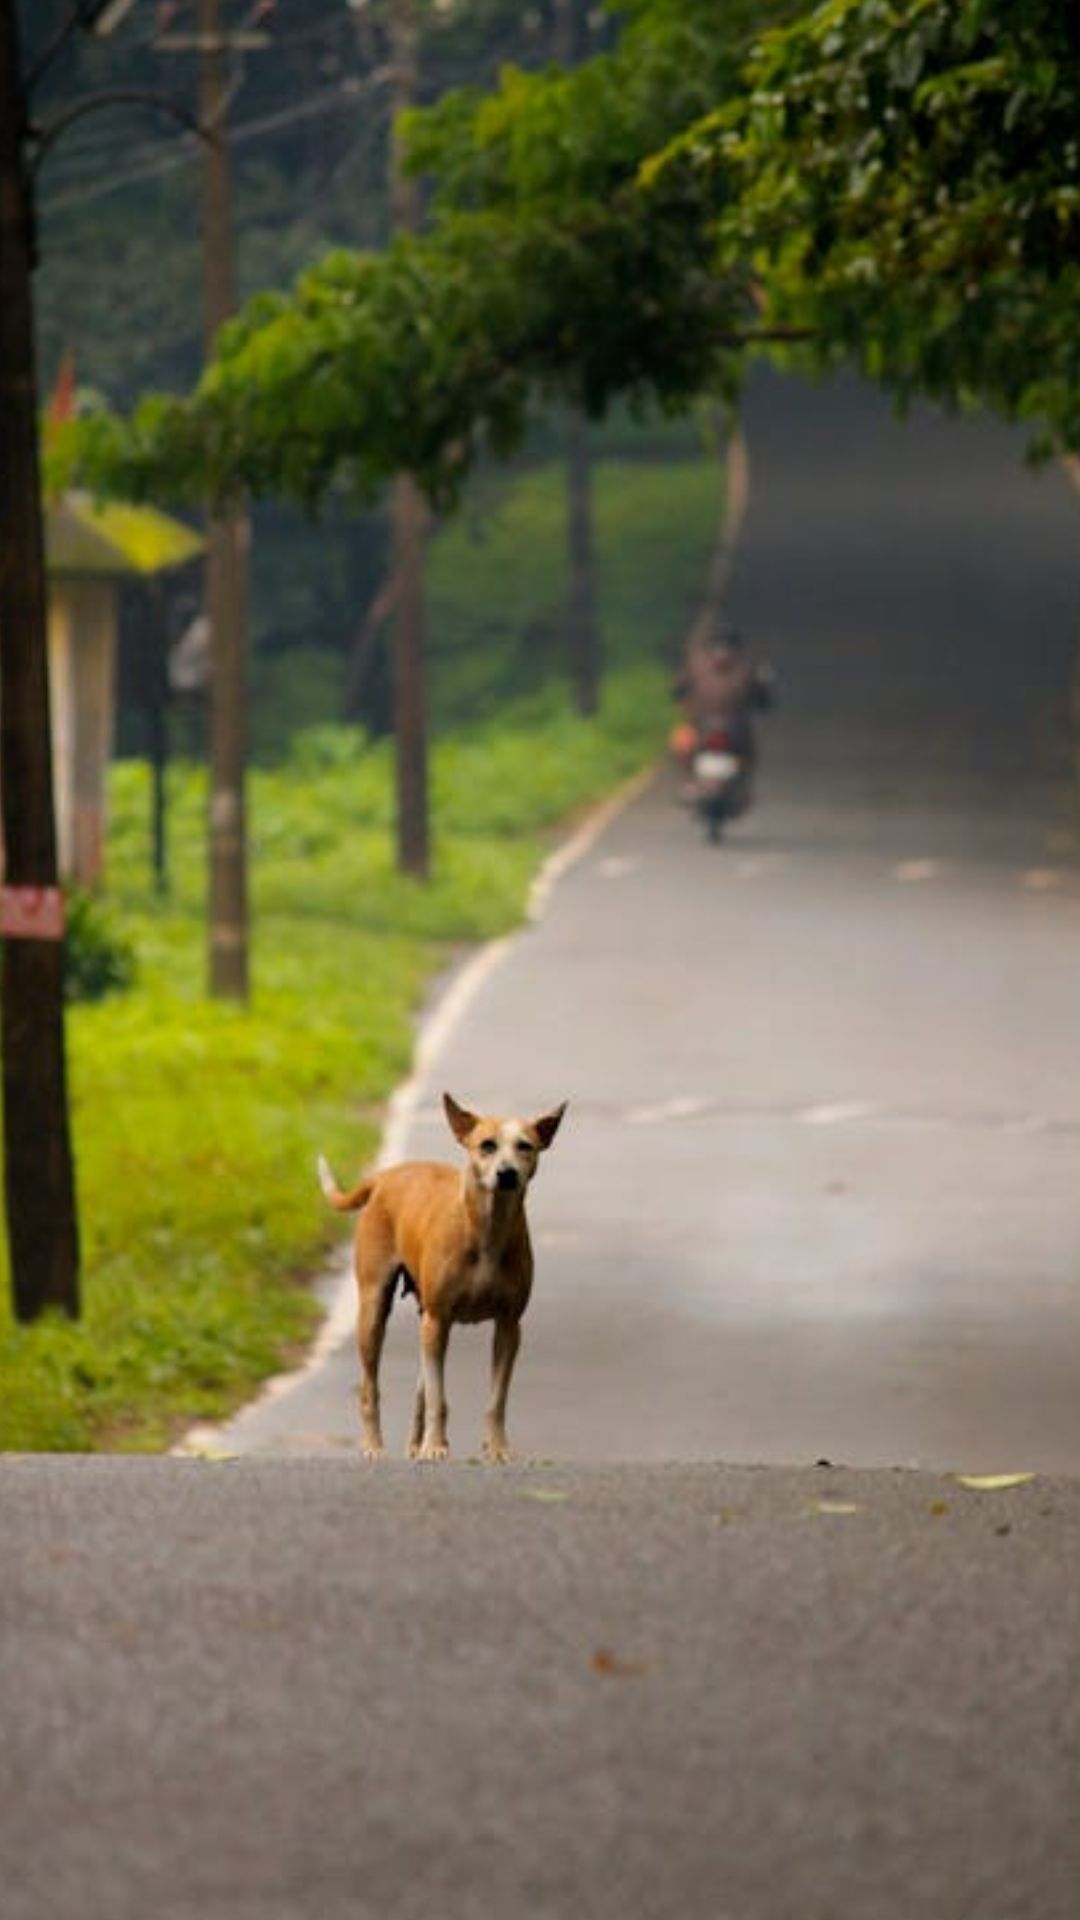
83	536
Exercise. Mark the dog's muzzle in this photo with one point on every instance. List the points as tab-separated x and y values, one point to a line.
508	1180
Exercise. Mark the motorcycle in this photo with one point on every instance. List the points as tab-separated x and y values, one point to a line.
719	782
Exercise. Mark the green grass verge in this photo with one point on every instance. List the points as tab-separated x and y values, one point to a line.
196	1125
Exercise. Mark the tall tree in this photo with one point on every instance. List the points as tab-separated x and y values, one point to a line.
38	1169
226	560
408	511
582	630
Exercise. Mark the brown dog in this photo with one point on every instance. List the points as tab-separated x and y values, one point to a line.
460	1243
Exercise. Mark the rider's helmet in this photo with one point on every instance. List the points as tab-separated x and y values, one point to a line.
727	636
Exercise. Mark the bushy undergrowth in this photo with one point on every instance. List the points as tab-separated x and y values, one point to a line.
196	1124
99	959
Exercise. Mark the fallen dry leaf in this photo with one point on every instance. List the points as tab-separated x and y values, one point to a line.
939	1506
604	1661
992	1482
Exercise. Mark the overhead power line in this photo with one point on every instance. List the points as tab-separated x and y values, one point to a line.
345	93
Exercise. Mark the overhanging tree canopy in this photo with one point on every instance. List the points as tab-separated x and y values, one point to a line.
550	271
907	179
899	180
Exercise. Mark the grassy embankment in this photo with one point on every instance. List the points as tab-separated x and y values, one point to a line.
196	1125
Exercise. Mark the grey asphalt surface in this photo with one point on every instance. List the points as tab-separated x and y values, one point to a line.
816	1193
815	1199
275	1690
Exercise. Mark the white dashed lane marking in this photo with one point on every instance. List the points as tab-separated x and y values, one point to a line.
838	1113
683	1107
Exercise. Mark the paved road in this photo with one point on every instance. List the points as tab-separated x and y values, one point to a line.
817	1193
816	1199
311	1690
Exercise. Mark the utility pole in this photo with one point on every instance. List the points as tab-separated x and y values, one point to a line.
582	633
226	558
39	1170
409	514
227	533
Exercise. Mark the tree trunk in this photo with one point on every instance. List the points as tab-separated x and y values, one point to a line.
409	516
39	1172
583	640
226	563
582	632
410	691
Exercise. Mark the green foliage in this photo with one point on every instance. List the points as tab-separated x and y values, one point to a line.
895	181
98	958
551	273
425	356
563	138
908	176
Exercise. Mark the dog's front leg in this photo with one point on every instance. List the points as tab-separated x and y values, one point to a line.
504	1352
374	1313
434	1334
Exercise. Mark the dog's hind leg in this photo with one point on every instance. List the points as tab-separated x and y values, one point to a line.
375	1304
504	1352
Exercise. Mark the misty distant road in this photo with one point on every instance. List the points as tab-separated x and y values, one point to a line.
818	1194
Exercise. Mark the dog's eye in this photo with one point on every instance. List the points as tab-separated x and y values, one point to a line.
525	1146
488	1146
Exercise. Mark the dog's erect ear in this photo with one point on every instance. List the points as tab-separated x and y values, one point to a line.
461	1120
548	1125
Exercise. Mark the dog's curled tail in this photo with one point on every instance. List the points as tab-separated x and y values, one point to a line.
344	1202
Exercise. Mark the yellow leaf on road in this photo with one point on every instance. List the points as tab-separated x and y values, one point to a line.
604	1661
834	1506
992	1482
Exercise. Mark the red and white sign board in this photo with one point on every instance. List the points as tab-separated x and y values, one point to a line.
31	913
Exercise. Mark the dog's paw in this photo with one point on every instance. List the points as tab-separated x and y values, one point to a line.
432	1450
372	1452
498	1453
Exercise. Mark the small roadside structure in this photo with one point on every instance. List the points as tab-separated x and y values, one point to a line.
90	549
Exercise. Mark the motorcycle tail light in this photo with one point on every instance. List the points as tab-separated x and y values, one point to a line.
717	742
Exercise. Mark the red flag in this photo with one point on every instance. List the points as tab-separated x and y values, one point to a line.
62	404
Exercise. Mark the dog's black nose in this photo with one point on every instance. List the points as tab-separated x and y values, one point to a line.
508	1178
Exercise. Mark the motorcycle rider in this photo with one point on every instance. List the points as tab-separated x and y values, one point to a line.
721	691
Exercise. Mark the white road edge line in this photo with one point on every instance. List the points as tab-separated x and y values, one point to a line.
404	1101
